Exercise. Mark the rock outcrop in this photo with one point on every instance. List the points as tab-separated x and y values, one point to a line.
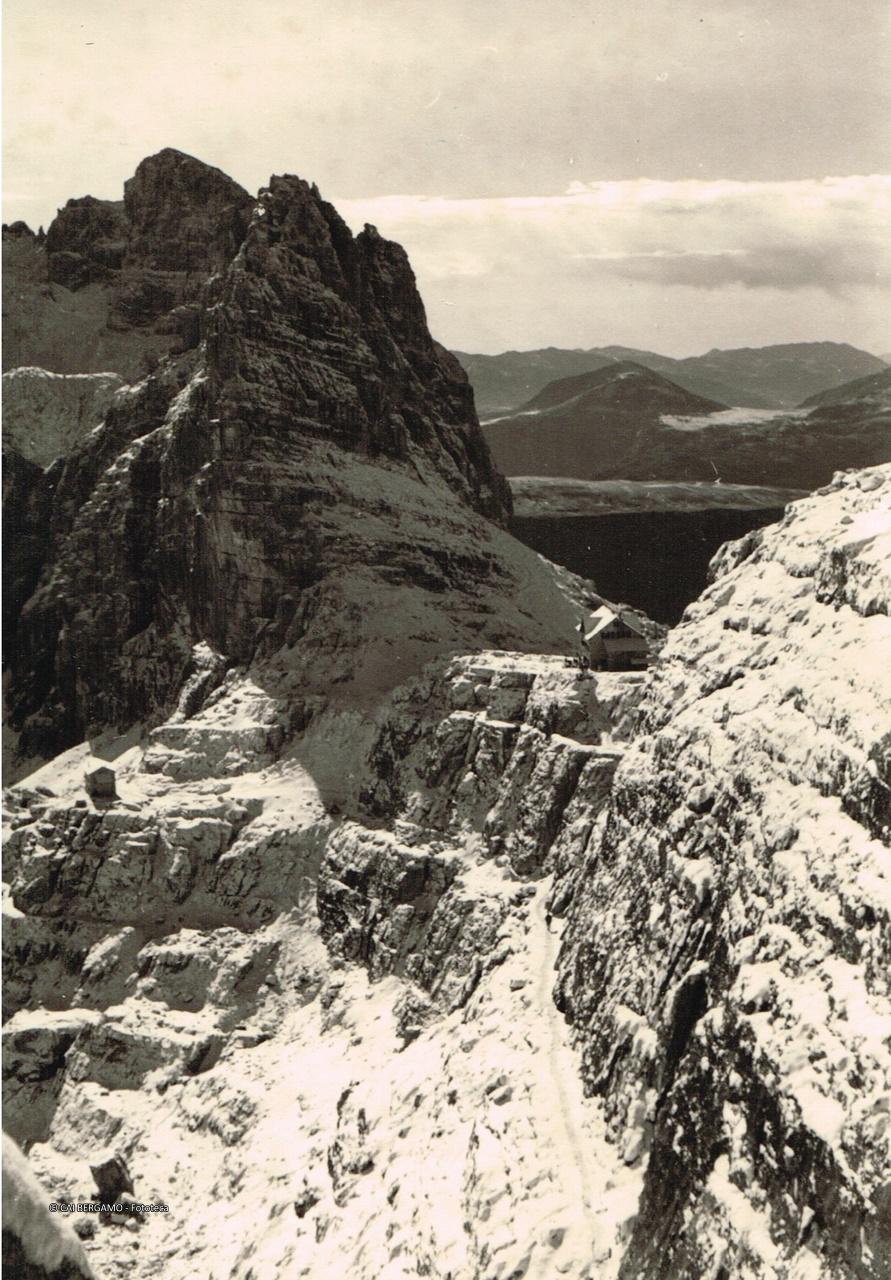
115	286
118	284
726	960
265	1006
85	242
26	517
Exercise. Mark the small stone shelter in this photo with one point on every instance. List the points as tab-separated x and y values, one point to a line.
99	783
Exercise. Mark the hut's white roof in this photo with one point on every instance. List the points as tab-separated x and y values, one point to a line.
603	616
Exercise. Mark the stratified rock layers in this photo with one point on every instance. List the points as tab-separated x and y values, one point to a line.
726	963
304	486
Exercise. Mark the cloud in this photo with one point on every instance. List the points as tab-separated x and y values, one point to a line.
678	266
829	234
835	268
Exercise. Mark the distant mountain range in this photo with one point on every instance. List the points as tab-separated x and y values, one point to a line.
586	425
773	377
873	390
625	421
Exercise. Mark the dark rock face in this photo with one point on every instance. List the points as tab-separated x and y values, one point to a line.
341	323
17	230
377	898
183	216
26	510
316	450
70	641
118	284
476	759
734	911
185	220
179	221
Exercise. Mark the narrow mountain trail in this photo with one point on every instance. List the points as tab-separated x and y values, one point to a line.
601	1190
558	1049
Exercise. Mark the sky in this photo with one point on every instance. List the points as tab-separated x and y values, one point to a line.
655	173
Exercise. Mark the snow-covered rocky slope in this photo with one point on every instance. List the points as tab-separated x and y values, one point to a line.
726	962
314	1011
325	1039
296	968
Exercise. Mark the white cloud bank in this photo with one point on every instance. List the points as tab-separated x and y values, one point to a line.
527	270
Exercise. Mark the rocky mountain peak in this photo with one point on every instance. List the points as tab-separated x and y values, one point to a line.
85	242
305	446
354	359
182	214
17	230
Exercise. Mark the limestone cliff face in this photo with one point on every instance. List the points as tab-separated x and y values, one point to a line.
85	242
315	335
182	216
180	220
26	512
726	961
309	453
